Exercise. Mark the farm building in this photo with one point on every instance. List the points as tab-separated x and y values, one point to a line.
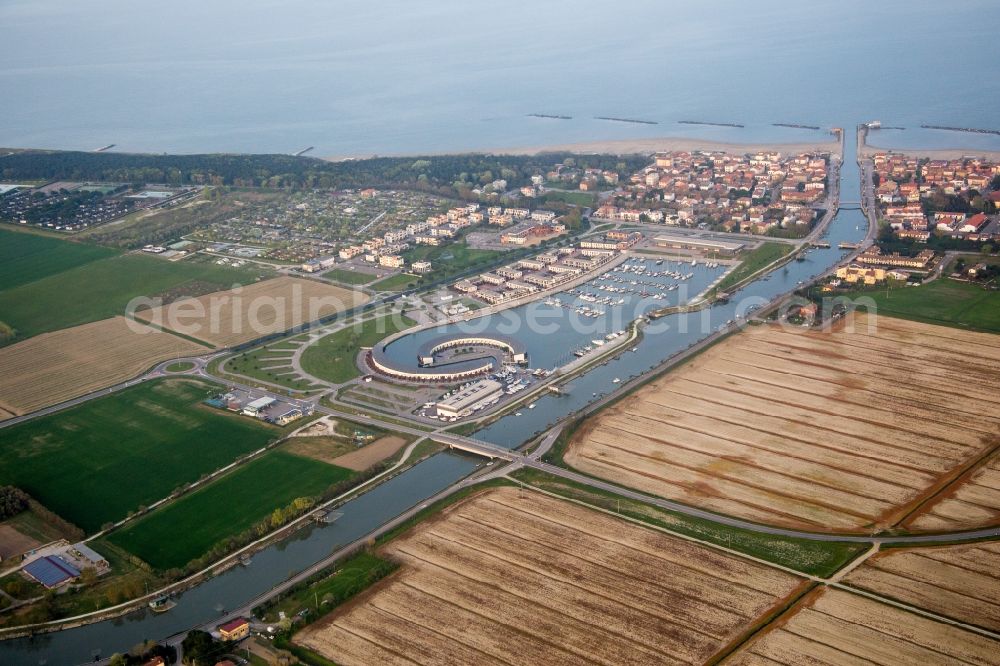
51	571
91	557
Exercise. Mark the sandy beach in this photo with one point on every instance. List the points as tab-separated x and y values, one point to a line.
641	146
938	154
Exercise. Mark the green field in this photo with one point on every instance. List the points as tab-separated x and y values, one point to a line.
396	282
94	463
349	277
575	197
26	257
352	575
942	301
753	261
450	259
102	289
332	358
188	528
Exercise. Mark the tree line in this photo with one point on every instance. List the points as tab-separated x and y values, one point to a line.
453	175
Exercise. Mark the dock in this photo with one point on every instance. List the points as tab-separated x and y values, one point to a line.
326	516
848	246
821	243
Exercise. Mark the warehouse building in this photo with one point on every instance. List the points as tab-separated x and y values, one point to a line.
697	244
468	398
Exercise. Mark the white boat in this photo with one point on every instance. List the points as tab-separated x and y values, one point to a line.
517	413
531	406
616	381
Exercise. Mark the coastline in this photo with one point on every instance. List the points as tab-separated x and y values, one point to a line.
868	149
637	146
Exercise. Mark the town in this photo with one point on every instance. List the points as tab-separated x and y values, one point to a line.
761	193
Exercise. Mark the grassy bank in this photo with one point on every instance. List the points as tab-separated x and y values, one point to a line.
753	261
821	558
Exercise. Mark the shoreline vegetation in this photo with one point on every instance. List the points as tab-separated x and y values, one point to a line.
633	146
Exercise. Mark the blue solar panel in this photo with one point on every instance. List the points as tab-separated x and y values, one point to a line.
51	570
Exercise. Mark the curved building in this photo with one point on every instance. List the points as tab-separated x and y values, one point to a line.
431	365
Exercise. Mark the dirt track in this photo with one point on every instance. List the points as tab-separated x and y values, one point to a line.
972	502
843	430
956	581
836	627
508	579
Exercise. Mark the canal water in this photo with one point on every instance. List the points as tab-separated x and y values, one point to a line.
661	339
552	329
665	337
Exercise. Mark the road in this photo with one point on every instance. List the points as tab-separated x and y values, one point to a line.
518	460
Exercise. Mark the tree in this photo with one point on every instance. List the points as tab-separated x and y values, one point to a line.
88	576
13	501
117	659
198	648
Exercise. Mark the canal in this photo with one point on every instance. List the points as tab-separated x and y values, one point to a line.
547	348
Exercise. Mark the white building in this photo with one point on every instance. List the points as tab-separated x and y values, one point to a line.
465	400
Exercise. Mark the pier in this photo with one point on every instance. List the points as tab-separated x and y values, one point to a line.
704	122
796	126
974	130
627	120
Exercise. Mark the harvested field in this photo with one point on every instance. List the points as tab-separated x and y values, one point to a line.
50	368
343	453
972	502
959	582
502	578
227	318
14	543
837	627
822	430
370	454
